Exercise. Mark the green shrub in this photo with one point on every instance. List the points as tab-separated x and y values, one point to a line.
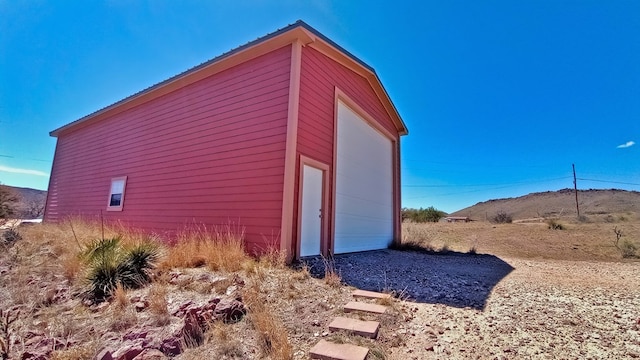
10	236
628	249
421	215
554	224
502	217
109	263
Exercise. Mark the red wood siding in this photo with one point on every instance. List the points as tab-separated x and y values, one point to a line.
209	153
319	77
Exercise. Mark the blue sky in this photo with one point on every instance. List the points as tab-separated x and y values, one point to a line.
500	97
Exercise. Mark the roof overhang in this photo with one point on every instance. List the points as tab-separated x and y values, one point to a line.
297	32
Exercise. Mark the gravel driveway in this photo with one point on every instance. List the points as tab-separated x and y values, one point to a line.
454	279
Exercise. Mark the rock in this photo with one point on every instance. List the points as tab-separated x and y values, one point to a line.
129	350
99	307
229	310
232	290
35	355
180	312
171	346
193	331
104	354
150	354
140	306
34	341
430	346
135	335
180	279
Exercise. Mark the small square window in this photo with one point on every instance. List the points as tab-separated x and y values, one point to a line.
116	194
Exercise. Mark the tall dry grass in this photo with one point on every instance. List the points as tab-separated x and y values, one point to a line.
272	334
219	248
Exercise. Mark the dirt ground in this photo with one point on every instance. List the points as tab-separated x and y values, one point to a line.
467	306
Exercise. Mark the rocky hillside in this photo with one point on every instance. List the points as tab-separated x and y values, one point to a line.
559	203
30	204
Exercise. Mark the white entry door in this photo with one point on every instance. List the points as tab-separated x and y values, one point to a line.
311	224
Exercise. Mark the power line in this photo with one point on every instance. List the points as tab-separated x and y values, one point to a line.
24	158
611	182
481	185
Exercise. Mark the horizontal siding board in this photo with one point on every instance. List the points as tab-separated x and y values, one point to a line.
123	136
210	153
141	159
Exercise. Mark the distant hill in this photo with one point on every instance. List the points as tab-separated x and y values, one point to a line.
558	203
30	203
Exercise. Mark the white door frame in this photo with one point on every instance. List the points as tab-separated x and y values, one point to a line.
324	213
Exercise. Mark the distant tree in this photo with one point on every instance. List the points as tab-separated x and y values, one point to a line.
8	202
502	217
421	215
35	208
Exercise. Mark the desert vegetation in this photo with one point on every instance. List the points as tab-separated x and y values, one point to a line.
586	241
80	290
8	202
21	203
421	215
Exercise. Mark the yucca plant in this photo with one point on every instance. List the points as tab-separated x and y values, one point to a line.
109	263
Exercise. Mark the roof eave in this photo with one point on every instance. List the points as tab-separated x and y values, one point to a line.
225	61
297	32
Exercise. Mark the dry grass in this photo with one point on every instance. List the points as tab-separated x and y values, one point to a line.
225	340
302	274
120	299
331	276
158	305
577	241
218	249
81	352
122	319
272	334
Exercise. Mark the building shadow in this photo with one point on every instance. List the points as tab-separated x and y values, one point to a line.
452	278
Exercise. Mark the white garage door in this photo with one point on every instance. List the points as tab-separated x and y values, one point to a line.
364	186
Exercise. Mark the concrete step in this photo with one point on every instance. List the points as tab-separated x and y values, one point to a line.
370	294
326	350
365	307
363	328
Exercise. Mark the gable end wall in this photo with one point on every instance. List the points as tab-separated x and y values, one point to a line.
320	75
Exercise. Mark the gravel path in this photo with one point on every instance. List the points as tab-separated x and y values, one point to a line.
483	307
459	280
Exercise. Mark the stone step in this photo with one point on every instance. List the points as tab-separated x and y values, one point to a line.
370	294
365	307
326	350
363	328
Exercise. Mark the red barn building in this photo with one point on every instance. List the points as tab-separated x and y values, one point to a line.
290	136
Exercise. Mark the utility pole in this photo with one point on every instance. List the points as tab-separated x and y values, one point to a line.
575	188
